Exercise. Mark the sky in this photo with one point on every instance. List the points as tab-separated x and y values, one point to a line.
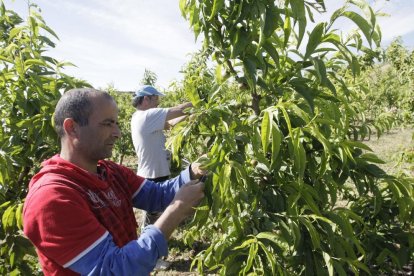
112	42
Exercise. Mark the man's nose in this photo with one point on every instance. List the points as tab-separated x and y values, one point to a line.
117	132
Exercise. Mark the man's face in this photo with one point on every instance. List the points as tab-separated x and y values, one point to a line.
153	101
97	139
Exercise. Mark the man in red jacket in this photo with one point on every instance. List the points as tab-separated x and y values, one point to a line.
79	209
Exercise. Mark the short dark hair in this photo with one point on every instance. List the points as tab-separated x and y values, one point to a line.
76	104
137	101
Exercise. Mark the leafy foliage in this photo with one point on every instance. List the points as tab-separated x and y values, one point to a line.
149	78
405	159
30	85
123	146
291	190
394	83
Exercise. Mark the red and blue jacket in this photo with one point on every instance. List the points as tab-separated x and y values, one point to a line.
83	223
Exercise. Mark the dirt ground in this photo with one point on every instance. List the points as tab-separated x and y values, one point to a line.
389	147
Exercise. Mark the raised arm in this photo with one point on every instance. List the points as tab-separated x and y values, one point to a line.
176	114
162	194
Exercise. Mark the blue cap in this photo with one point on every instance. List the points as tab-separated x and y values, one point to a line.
147	90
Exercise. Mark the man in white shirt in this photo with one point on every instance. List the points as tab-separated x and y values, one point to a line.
147	129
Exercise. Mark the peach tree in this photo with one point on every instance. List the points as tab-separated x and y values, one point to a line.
292	191
31	82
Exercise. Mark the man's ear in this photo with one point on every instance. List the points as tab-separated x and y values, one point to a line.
70	127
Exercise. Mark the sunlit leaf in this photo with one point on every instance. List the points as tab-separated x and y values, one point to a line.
315	39
363	24
266	130
217	5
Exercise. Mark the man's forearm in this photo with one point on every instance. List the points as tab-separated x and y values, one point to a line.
183	204
170	219
175	121
161	193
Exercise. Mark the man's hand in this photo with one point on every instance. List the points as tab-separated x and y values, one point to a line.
185	105
199	167
196	170
187	197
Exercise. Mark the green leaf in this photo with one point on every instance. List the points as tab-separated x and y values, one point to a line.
266	130
277	137
362	4
35	62
250	70
16	30
217	5
377	35
356	144
33	24
241	40
304	90
299	13
314	130
328	262
20	68
310	201
299	154
331	86
183	7
246	243
12	260
302	29
19	217
219	73
6	59
336	14
287	30
252	255
5	204
295	230
371	157
272	52
355	67
315	39
339	269
192	95
47	40
8	218
48	29
358	265
362	24
312	232
375	171
271	21
343	223
240	170
286	116
270	257
331	38
320	70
